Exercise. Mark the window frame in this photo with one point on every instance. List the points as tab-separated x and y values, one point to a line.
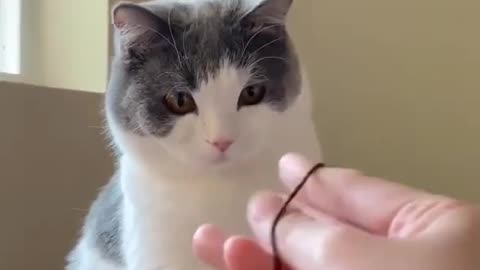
11	28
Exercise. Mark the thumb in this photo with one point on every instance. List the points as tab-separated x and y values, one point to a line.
309	240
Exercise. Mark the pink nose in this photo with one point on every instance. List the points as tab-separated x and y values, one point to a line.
222	145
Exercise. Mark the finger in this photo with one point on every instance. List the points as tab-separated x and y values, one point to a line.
244	254
367	202
208	242
303	241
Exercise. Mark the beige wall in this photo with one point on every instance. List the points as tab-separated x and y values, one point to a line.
66	44
396	83
54	160
397	87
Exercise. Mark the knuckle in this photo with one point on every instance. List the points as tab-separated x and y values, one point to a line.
288	227
334	242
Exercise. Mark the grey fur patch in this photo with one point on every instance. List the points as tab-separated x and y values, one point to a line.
103	223
186	46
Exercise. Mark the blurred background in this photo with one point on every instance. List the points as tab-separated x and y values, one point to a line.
397	94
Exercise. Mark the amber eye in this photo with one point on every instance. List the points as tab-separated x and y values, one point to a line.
252	95
180	102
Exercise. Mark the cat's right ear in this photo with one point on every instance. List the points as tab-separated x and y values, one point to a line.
137	30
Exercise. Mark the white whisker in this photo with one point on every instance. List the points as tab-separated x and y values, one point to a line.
166	73
183	41
173	39
256	34
154	31
258	78
268	44
266	58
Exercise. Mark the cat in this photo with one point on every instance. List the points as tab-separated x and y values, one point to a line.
204	98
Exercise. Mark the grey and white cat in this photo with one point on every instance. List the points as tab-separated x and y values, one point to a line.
205	96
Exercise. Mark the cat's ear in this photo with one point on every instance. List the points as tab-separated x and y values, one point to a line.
137	29
270	12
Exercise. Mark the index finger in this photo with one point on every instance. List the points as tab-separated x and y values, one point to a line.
367	202
208	243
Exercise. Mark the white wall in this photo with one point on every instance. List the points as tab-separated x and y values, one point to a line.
10	36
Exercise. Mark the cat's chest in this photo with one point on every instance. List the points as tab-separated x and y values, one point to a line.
161	215
194	200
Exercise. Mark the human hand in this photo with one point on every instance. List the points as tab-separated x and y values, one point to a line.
345	220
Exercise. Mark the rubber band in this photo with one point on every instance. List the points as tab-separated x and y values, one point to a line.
277	262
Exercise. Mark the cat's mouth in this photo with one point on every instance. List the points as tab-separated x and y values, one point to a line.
221	158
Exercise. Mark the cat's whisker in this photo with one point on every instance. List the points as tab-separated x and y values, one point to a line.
255	35
173	39
266	45
258	78
95	127
268	57
154	31
166	73
185	56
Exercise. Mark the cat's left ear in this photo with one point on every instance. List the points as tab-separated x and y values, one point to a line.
138	30
270	12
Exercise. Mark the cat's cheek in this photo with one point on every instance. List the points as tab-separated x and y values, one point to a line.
258	126
184	130
187	143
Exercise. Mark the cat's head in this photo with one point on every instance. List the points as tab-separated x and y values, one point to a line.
204	81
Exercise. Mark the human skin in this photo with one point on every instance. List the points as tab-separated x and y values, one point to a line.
345	220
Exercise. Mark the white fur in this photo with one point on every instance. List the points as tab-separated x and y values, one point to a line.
88	258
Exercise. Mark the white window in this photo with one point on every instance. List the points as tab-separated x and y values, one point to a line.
10	36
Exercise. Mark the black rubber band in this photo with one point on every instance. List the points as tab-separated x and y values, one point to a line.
277	262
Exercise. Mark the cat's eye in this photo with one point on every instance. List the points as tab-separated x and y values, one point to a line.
252	95
180	102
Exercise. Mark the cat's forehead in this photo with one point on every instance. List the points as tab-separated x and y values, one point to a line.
202	49
194	11
207	24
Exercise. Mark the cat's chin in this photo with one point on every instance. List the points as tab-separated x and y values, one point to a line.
219	160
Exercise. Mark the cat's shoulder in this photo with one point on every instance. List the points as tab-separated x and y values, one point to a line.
103	222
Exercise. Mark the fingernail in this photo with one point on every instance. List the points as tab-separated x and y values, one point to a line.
264	207
293	168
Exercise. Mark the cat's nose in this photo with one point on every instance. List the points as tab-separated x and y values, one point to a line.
222	144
